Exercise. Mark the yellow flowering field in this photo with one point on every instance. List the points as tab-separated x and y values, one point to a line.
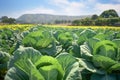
24	27
84	27
17	26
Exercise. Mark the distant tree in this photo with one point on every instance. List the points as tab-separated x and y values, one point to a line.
5	19
86	22
117	24
62	21
109	14
113	21
94	17
107	18
101	22
76	22
69	21
0	19
11	20
57	21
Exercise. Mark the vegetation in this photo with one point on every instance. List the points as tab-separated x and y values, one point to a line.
53	52
46	18
48	53
109	14
21	27
107	18
7	20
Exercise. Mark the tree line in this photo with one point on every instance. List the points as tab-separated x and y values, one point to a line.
106	18
6	20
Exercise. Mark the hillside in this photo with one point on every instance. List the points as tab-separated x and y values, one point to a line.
46	18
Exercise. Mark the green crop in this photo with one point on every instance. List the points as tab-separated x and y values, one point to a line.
46	53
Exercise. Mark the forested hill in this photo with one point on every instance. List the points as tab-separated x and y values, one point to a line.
47	18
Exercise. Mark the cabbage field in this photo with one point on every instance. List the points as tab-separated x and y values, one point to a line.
54	53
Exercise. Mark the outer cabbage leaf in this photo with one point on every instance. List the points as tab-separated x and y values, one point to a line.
15	74
24	53
86	52
89	66
65	39
117	41
106	48
91	43
24	70
103	62
23	61
70	67
30	69
85	35
74	49
100	36
115	67
4	58
103	77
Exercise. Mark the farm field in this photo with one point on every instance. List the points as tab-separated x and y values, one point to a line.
84	27
54	52
21	27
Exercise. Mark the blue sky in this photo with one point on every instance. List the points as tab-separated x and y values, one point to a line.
15	8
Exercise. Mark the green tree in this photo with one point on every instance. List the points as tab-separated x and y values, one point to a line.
113	21
76	22
109	14
86	22
94	17
11	20
5	19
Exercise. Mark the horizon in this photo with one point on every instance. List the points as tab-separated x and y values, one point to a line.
57	7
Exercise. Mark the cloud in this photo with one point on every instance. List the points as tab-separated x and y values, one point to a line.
101	7
83	7
59	1
61	7
66	7
40	10
73	8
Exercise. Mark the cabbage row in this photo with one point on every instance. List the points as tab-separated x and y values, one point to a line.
43	53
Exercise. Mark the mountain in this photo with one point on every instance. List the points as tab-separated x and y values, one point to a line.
46	18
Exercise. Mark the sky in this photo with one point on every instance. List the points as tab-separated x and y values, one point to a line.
16	8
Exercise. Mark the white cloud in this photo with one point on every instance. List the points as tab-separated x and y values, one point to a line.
72	8
59	1
40	10
13	14
83	7
101	7
66	7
